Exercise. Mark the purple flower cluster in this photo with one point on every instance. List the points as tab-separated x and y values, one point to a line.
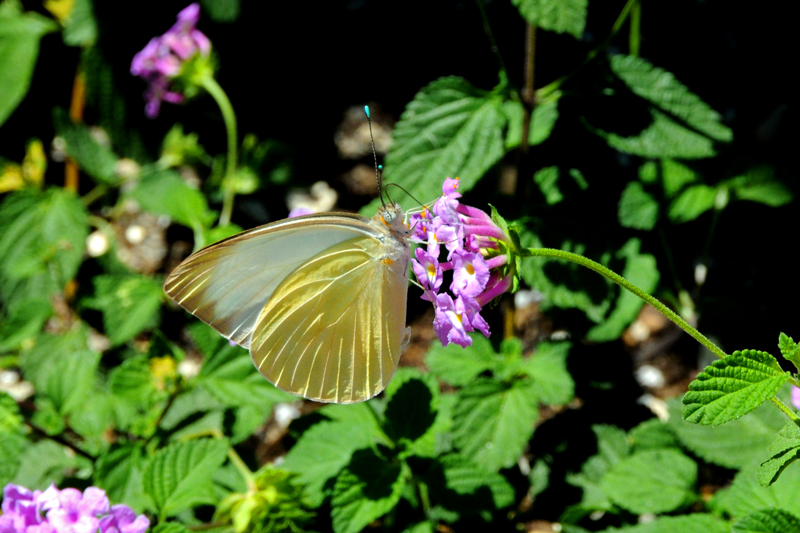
66	511
163	58
470	238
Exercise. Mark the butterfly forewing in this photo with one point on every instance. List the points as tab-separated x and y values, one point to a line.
227	284
333	330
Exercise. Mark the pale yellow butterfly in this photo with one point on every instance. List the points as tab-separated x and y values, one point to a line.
319	300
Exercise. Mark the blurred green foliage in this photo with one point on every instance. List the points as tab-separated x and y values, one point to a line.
110	385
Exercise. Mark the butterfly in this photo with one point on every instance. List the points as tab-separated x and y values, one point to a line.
319	300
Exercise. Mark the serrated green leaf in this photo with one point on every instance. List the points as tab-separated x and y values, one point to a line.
129	303
652	481
694	523
459	366
789	349
767	521
23	321
734	445
544	118
35	362
132	380
692	203
422	527
641	270
449	129
97	160
745	495
759	185
465	478
165	193
663	137
732	387
41	232
552	383
784	450
366	490
662	89
179	476
324	449
547	180
493	422
119	472
560	16
91	417
20	34
637	208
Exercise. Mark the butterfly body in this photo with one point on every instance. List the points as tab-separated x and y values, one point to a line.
320	300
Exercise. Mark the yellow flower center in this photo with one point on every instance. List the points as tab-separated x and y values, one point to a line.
470	269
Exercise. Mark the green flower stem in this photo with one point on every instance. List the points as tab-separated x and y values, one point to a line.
788	412
248	476
636	24
625	284
216	92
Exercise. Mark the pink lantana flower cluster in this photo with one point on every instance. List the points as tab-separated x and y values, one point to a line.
163	59
66	511
474	244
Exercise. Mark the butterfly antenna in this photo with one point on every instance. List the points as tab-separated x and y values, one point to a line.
405	191
378	168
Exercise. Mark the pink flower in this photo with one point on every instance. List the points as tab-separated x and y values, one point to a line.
449	323
122	519
162	60
470	273
796	397
427	270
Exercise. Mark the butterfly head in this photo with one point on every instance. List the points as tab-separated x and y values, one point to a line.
391	215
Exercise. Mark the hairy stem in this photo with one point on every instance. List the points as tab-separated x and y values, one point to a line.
625	284
216	92
784	409
636	29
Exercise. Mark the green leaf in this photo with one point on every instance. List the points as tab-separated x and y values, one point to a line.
463	487
11	447
170	527
459	366
449	129
222	10
23	321
10	416
325	448
166	193
661	138
692	203
675	176
745	495
653	434
552	383
789	349
547	179
734	445
652	481
660	87
80	26
97	160
410	406
20	34
544	118
637	208
759	185
732	387
69	379
129	303
560	16
119	472
45	462
693	523
41	232
493	422
366	490
179	476
133	380
784	450
767	521
612	447
641	270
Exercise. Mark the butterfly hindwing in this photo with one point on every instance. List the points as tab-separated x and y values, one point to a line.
333	330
